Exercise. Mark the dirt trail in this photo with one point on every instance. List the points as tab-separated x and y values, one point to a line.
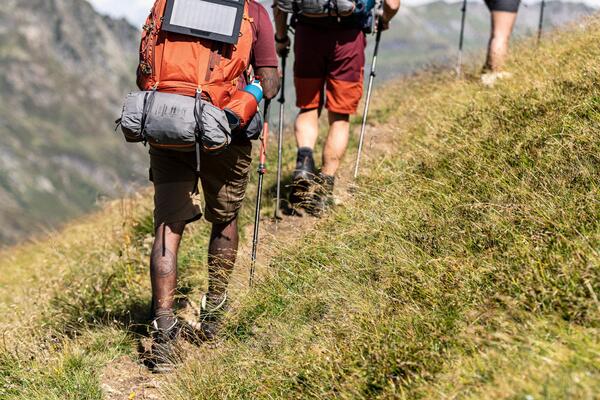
126	378
290	230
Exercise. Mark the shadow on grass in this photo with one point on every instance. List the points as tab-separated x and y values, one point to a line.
131	312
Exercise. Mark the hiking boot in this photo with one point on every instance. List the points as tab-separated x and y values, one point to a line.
164	354
322	197
211	317
302	178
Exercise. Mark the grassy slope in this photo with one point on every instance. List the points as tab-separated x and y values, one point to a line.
467	265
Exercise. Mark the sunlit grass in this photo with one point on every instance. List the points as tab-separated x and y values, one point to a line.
466	265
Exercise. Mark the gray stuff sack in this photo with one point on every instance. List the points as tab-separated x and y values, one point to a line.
175	122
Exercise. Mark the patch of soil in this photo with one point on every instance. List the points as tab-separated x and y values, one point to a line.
125	379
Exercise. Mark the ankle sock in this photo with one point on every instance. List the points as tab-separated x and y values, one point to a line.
165	318
303	154
214	302
305	160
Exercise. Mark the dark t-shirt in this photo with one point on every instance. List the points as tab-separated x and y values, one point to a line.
263	45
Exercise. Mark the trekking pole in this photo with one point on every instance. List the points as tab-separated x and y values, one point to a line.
541	23
461	40
280	137
363	128
262	169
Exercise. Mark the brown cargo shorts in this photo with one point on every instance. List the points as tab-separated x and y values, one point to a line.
223	177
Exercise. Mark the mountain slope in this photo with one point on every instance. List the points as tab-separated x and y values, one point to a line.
465	263
427	35
430	33
63	71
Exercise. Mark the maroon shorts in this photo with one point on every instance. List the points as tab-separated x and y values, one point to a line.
329	68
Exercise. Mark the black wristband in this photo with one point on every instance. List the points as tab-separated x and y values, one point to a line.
283	40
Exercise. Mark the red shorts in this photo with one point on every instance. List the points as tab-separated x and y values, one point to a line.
329	67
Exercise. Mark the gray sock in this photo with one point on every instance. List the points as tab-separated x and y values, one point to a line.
165	318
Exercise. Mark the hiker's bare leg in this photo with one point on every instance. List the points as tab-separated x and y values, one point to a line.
337	142
307	128
502	26
222	253
163	266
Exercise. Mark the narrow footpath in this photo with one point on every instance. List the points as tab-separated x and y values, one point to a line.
127	378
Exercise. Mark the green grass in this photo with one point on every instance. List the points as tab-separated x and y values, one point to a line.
488	219
466	265
68	371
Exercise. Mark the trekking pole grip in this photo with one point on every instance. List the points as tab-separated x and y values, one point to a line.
282	90
262	167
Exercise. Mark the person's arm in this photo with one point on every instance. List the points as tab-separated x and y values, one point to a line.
282	39
264	59
269	80
390	9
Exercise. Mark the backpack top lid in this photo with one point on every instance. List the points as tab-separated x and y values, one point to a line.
347	13
217	20
318	8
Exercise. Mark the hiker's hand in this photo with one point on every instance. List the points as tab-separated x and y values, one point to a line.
384	24
283	46
384	21
389	10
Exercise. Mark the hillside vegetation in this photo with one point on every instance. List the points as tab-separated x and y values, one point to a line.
466	265
64	70
429	34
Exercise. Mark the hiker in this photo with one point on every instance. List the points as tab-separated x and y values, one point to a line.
223	176
328	72
503	17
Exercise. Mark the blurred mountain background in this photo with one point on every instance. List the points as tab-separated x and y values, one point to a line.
429	34
64	69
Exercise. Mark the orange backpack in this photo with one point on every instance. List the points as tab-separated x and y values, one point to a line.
181	64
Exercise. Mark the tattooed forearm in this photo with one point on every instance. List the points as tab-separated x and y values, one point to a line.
281	24
269	78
